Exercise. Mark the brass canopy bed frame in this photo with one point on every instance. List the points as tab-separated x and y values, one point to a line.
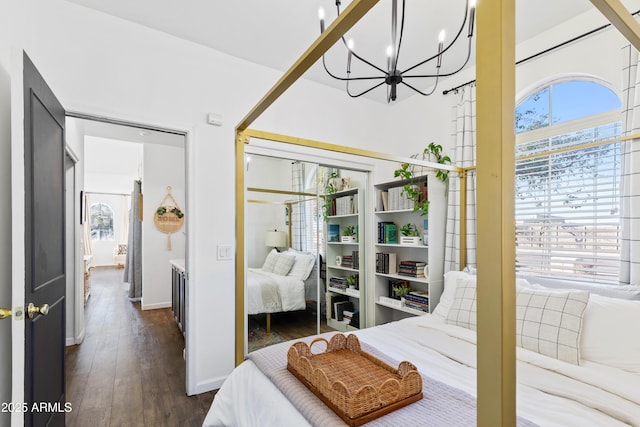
495	170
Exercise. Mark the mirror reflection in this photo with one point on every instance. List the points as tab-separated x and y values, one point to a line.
301	218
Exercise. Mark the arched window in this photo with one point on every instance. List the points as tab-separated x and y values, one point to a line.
567	181
101	220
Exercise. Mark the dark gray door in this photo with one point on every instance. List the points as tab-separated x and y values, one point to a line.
44	145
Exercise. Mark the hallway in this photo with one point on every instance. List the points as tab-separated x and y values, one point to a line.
129	371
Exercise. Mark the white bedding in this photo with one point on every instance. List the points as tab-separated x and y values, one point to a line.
273	293
549	392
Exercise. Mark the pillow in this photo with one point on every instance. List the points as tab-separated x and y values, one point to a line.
610	333
284	264
549	322
463	308
449	292
303	265
270	261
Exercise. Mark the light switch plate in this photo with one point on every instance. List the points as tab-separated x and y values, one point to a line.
225	252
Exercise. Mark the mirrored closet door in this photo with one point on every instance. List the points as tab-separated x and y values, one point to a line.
304	237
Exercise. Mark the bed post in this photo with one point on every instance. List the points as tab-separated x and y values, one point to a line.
495	72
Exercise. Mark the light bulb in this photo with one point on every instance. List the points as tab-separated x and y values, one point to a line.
350	44
472	4
321	13
441	36
389	51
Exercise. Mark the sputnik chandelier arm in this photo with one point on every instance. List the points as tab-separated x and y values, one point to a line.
392	76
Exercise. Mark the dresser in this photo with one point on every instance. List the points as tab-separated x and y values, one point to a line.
178	293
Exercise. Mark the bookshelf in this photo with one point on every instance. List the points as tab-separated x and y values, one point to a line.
344	259
392	258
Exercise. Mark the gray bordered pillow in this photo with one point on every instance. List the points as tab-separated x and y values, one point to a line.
284	264
463	308
549	322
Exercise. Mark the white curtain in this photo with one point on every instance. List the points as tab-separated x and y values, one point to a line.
630	170
123	235
463	154
86	227
298	214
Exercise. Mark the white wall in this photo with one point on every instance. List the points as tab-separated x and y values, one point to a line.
163	166
5	226
75	294
265	172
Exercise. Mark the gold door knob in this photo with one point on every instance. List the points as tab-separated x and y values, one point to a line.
32	310
4	313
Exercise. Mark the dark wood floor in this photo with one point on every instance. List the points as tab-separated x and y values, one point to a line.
295	324
129	371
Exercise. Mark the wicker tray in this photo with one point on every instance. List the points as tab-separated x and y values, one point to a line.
354	384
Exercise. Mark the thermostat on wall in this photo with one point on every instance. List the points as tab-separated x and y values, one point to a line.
214	119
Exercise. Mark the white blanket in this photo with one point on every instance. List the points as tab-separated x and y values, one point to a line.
273	293
549	392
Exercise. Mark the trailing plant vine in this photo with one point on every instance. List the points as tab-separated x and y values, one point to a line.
407	172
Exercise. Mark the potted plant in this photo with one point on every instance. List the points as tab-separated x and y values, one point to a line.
349	234
410	235
352	282
400	290
415	188
329	188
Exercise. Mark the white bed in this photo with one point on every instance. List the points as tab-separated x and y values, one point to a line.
272	293
284	283
602	389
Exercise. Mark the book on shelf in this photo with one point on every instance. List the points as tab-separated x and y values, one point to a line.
384	194
355	255
391	234
347	261
386	263
333	232
381	226
418	297
339	308
355	320
332	299
412	268
425	232
338	282
415	305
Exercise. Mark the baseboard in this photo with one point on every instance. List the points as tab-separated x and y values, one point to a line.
155	306
77	340
210	385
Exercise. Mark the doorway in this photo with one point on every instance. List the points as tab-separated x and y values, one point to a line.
112	155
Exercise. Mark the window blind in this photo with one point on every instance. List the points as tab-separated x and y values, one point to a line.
567	204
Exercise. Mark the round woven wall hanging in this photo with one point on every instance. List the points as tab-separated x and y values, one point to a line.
168	217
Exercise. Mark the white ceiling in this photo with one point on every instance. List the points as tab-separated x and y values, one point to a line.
275	33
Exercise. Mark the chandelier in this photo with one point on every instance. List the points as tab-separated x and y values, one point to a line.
392	76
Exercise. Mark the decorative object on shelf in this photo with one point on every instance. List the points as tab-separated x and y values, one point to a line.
338	260
410	235
330	187
168	217
352	281
418	191
399	288
393	76
276	239
349	234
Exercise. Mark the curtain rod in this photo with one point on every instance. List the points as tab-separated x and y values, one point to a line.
107	194
552	48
